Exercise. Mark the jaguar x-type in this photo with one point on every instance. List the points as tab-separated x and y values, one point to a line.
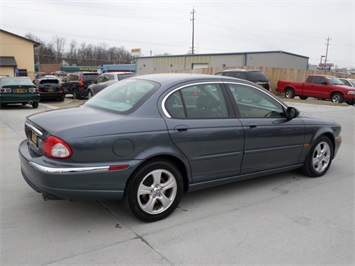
150	138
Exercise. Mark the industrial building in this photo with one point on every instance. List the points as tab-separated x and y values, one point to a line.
274	59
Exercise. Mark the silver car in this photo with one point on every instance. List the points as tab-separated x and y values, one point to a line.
107	79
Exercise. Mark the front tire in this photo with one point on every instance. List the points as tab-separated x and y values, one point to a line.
154	191
319	158
337	97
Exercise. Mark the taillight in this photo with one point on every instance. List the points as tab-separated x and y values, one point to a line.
56	148
81	83
5	90
32	90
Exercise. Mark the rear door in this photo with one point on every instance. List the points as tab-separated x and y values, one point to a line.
199	123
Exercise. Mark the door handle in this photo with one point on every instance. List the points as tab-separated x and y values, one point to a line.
181	129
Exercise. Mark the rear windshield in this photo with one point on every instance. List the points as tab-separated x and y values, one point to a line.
15	81
124	96
49	81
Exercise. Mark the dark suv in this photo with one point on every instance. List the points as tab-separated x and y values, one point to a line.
78	82
252	75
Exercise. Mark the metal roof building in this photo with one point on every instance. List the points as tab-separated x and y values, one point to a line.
275	59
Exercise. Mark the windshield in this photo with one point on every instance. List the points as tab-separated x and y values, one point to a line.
123	96
334	81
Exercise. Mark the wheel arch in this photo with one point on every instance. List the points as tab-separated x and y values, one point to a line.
165	157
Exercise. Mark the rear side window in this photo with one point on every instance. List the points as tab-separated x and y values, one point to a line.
73	78
239	75
198	101
90	76
256	76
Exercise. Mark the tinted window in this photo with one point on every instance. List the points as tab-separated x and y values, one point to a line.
318	80
256	76
90	76
124	76
309	79
198	101
123	96
49	81
73	78
253	103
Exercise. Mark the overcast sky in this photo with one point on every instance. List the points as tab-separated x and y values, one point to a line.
225	26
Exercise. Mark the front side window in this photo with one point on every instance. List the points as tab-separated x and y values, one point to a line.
253	103
197	101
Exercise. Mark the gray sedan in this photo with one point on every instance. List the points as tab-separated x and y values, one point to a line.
107	79
149	139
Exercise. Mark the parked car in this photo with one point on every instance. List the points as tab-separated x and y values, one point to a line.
40	74
60	74
107	79
252	75
49	87
348	82
78	82
18	90
148	139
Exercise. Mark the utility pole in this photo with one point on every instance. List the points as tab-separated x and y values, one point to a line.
193	31
326	53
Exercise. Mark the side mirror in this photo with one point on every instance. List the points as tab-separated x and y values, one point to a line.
291	112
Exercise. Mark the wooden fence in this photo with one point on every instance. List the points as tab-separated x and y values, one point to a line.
274	74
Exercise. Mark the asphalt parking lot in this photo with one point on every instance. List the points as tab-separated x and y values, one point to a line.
280	219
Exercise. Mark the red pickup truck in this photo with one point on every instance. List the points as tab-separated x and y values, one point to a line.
318	86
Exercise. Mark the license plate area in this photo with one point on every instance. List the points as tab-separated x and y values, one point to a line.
20	90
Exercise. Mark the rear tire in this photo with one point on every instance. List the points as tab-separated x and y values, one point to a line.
35	105
154	191
319	158
75	95
303	97
289	93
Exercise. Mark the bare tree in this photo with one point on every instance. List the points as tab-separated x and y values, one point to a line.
58	44
85	54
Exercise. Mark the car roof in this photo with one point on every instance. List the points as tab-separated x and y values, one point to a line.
182	77
118	72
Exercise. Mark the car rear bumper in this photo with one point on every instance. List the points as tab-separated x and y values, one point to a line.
45	95
69	181
19	98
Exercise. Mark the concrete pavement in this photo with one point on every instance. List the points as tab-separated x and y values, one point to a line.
280	219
